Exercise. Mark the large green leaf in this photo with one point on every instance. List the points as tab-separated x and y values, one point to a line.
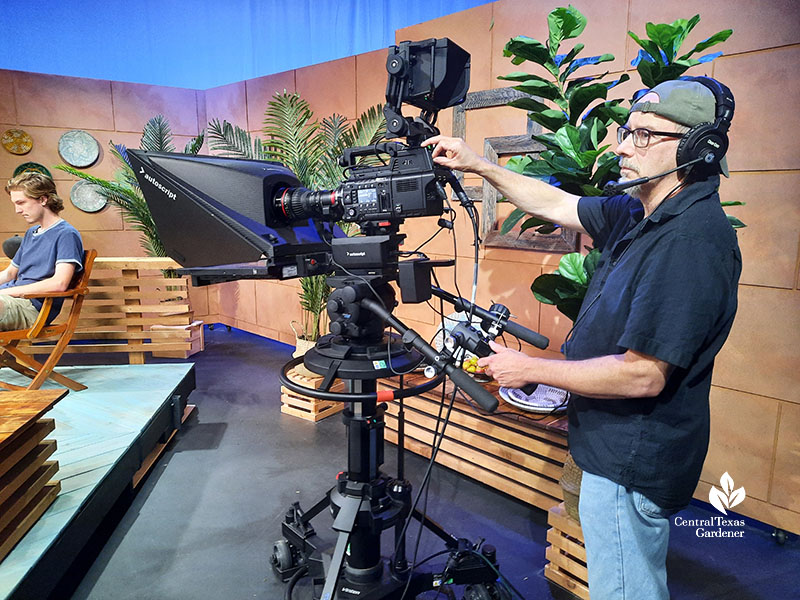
537	222
649	46
571	267
584	62
527	48
609	112
550	119
570	56
564	23
529	104
590	263
583	97
568	139
516	215
543	89
715	39
521	76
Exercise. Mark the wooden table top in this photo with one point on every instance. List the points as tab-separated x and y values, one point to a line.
20	409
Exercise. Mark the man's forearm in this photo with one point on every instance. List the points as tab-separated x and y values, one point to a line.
616	376
532	195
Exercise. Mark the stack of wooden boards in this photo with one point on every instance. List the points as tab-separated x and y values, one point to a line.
27	485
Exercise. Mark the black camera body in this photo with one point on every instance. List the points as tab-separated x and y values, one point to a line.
410	185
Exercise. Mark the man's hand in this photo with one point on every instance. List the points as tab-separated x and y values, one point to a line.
454	153
508	367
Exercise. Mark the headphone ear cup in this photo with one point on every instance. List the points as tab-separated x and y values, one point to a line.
700	140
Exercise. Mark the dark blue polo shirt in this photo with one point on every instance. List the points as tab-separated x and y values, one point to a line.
665	286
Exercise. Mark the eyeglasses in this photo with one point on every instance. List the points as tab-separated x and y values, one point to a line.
641	136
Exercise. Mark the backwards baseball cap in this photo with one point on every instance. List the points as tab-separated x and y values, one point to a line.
685	102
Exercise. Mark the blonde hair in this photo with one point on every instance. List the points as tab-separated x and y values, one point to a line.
37	186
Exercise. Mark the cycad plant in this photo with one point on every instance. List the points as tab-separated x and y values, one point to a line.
310	149
124	191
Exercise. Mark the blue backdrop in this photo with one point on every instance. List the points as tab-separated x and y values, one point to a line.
199	43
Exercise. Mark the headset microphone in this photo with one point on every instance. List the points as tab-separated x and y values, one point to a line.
614	188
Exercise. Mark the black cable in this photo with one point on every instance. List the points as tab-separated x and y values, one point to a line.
298	575
499	574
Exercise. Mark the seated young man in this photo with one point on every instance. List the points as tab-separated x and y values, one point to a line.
50	254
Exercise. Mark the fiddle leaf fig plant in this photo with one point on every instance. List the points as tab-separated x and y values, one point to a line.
658	59
566	286
574	157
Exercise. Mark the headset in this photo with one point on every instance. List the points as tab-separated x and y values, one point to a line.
709	141
705	143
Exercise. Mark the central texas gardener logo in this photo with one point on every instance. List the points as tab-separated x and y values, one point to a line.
727	497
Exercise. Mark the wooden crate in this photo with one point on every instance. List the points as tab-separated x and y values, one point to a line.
191	334
566	554
305	407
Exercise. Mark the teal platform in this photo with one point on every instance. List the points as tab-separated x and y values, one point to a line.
103	433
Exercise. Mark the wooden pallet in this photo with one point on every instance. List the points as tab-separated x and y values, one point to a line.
566	553
305	407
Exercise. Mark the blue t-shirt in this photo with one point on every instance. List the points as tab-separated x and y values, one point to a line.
41	251
665	286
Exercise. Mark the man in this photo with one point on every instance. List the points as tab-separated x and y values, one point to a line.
641	352
50	254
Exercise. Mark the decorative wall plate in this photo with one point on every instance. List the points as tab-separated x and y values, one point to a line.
87	197
32	166
78	148
17	141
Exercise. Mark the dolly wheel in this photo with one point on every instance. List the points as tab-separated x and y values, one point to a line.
282	554
779	535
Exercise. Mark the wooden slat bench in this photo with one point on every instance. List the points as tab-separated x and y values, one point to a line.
133	308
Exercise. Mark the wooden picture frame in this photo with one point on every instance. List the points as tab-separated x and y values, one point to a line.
562	240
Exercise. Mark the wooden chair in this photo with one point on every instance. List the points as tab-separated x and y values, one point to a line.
11	356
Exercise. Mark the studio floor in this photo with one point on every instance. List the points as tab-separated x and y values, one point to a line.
203	523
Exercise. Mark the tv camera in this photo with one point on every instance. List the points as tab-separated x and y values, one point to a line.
225	219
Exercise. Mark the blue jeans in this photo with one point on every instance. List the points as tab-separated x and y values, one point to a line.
626	537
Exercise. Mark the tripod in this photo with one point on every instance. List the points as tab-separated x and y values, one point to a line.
365	502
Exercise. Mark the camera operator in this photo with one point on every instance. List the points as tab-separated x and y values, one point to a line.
641	352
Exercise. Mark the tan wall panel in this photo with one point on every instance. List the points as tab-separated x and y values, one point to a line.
786	476
228	103
276	305
742	440
260	91
198	299
113	243
329	87
760	355
763	135
135	103
470	29
56	101
8	107
371	79
605	33
494	122
769	243
246	300
755	25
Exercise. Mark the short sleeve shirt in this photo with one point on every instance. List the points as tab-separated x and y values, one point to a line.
41	251
665	286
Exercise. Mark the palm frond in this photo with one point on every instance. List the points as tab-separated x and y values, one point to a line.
157	135
233	141
193	146
292	136
369	128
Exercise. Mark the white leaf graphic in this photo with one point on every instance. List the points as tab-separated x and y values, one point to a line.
736	497
718	499
726	481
